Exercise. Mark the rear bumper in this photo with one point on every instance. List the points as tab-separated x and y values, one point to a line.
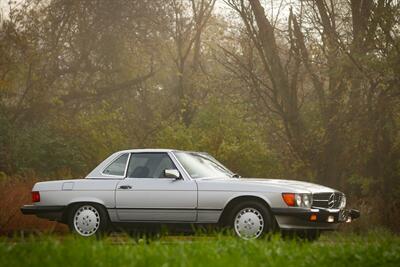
49	212
325	219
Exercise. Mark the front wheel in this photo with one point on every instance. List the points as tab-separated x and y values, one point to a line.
251	220
88	220
306	235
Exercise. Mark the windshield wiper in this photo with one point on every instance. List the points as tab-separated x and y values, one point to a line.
235	175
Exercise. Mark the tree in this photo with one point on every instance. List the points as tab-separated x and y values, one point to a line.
188	21
340	72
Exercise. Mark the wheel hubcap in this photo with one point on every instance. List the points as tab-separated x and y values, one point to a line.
249	223
86	220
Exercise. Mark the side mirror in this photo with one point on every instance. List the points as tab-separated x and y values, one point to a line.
172	173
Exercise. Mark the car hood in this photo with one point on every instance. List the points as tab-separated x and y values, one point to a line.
270	184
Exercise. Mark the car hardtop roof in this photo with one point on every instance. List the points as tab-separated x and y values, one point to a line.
149	150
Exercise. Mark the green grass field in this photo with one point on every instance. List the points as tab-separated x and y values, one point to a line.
373	249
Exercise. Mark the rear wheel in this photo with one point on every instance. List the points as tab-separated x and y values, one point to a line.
88	219
250	220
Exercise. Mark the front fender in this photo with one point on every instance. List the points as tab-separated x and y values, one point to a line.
259	195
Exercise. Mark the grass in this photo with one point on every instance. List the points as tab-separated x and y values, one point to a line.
373	249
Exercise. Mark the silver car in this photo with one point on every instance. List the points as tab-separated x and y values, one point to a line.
164	186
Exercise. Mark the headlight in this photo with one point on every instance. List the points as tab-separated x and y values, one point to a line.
343	202
307	200
297	200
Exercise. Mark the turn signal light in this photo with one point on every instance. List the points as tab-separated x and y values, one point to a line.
35	196
313	217
289	199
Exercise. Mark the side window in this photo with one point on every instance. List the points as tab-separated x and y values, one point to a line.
149	165
117	167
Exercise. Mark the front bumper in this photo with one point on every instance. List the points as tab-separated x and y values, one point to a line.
53	213
313	218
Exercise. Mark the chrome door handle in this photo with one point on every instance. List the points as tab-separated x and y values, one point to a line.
125	187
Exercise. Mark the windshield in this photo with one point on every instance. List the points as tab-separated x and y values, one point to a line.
202	165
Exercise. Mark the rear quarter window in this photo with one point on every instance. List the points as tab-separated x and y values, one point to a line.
117	167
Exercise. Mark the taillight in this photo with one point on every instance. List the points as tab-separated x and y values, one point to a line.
35	196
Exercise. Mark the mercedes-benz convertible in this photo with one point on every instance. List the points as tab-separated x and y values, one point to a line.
163	186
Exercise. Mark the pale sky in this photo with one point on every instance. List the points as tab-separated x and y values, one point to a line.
271	7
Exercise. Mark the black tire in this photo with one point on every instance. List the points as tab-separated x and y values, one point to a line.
101	219
311	235
263	211
305	235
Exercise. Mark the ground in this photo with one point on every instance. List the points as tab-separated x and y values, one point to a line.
335	249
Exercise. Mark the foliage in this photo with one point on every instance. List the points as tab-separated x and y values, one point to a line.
227	133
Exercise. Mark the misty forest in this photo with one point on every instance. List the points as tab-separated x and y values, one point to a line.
306	90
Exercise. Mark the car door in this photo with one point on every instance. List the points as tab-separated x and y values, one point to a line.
147	195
